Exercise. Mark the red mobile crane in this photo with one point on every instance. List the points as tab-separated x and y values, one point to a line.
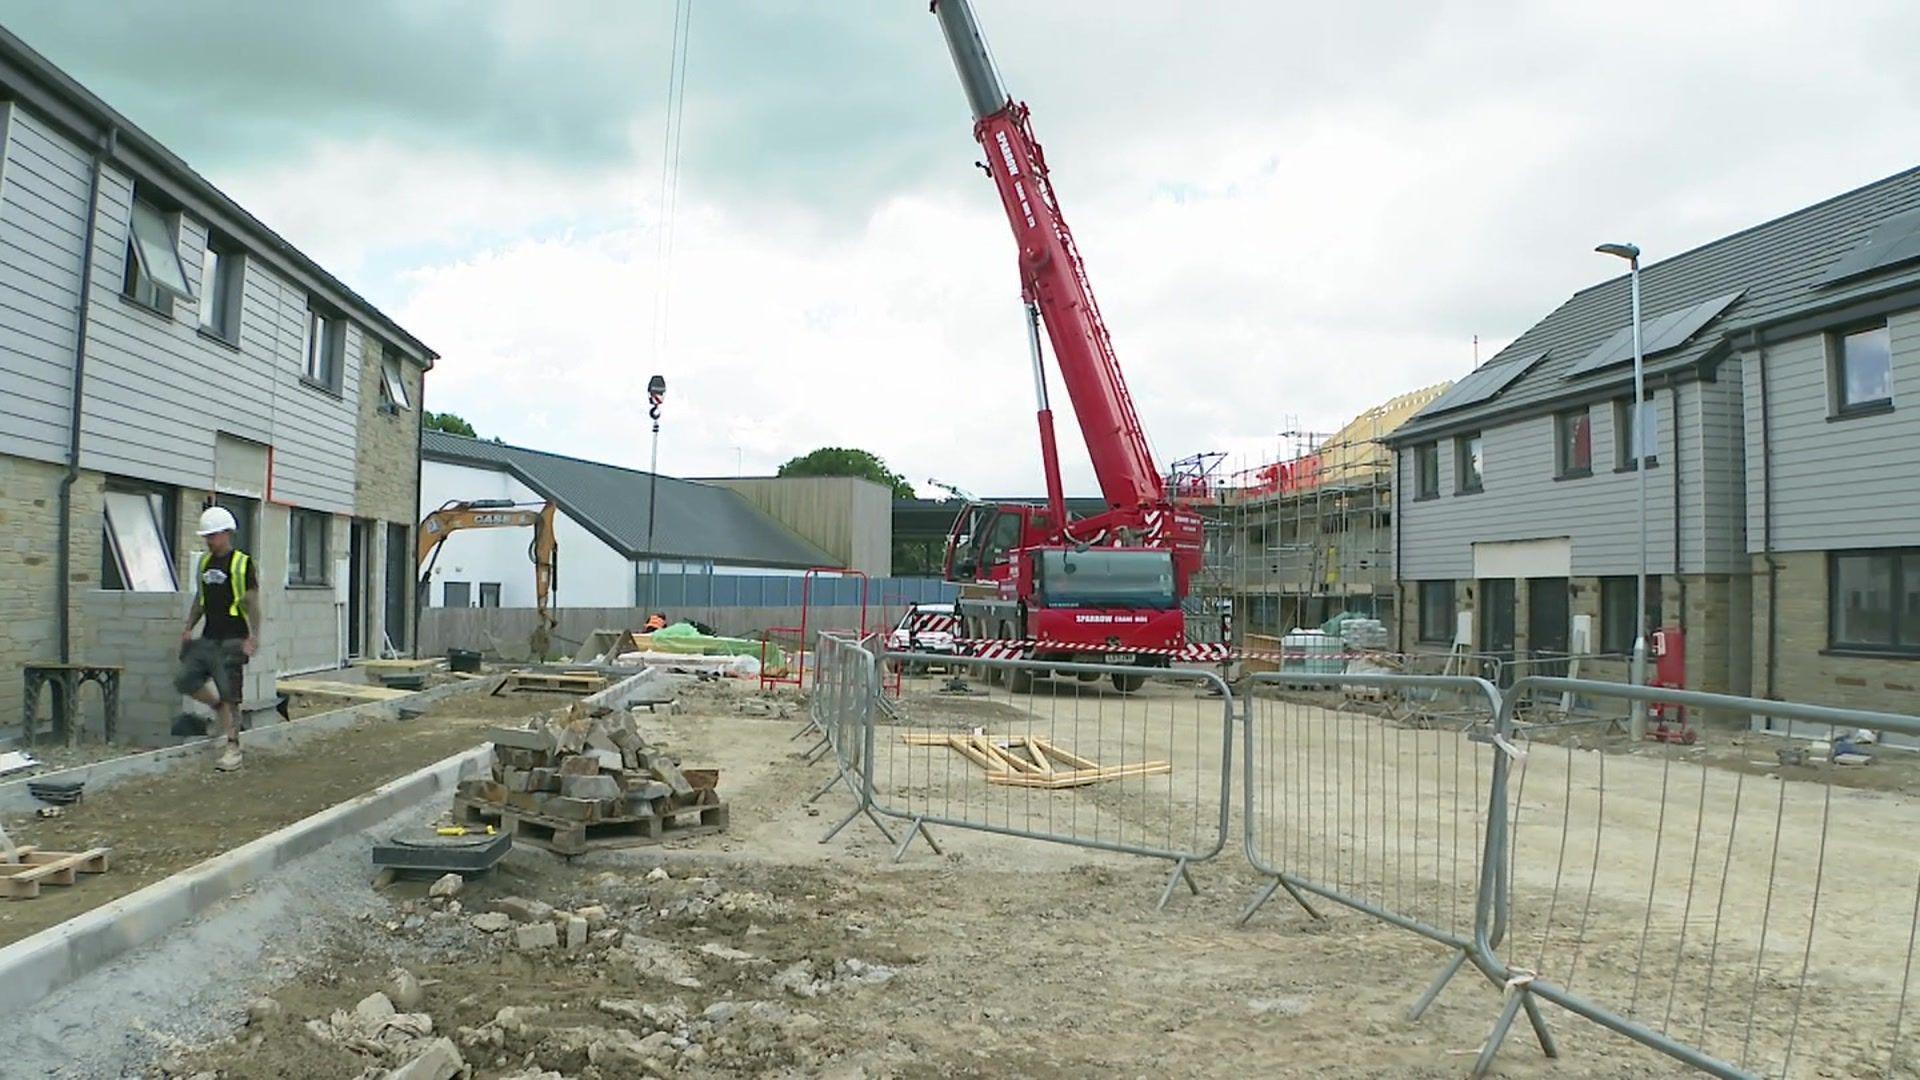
1107	587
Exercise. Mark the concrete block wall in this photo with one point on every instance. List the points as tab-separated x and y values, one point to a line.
386	486
1804	670
140	631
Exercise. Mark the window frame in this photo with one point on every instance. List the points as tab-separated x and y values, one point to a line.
1893	647
139	285
1461	456
1838	407
488	589
393	382
1563	467
300	523
225	292
1607	644
1452	609
466	594
323	336
165	517
1422	490
1623	457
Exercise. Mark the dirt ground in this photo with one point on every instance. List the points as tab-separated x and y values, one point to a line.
161	824
767	952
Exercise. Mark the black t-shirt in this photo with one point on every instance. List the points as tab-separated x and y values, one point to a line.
217	599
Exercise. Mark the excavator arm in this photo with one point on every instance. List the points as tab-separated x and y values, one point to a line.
500	514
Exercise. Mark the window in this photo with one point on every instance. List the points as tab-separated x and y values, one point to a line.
323	347
1861	371
456	594
137	548
1466	464
1617	612
1436	612
307	547
1625	456
246	514
1873	601
1426	471
155	277
1573	442
393	386
220	275
489	594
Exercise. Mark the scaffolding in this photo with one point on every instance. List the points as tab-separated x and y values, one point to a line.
1302	536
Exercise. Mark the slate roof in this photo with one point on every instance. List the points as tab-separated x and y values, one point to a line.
1776	267
696	521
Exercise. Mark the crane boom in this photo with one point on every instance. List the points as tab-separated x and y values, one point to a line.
1053	278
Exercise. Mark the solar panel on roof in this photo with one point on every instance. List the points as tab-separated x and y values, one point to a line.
1482	383
1893	241
1661	333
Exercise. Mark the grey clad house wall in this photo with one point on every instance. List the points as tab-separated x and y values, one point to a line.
1849	483
1521	500
43	200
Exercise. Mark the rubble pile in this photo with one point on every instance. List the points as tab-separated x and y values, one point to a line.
579	769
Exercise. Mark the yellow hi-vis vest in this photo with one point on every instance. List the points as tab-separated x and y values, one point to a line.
236	580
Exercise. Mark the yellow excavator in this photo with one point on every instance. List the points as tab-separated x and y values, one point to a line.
499	514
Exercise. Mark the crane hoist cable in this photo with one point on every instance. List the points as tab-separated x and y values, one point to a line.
669	196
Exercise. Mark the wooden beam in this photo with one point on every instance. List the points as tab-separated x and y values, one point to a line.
354	691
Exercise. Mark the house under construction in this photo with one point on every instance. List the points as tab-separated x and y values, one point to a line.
1305	536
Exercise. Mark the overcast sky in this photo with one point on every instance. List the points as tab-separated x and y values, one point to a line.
1290	211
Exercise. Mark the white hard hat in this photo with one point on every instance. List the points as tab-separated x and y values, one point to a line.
216	519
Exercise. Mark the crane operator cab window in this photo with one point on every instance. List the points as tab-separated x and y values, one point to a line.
1097	578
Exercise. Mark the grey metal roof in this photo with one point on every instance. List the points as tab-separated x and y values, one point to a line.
696	521
1777	268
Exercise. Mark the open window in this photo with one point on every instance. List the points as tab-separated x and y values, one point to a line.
155	277
222	268
393	384
137	547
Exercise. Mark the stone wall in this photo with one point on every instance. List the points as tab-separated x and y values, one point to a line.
1805	671
386	486
29	535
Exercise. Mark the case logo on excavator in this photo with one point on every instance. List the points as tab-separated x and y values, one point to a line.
493	519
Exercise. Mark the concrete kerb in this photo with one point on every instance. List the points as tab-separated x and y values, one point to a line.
35	966
14	797
647	682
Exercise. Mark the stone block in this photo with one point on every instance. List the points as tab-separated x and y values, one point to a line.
589	787
517	779
543	779
610	760
536	937
522	739
573	809
579	765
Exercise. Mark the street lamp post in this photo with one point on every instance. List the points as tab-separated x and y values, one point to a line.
656	393
1641	449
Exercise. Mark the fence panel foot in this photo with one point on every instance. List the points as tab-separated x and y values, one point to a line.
832	780
810	725
1180	873
1499	1033
1438	984
817	751
862	808
1547	1045
918	828
1266	894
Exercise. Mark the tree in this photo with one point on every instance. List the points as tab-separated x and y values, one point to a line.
449	423
843	461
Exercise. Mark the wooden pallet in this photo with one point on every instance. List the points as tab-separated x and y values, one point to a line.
353	691
564	837
1036	766
582	683
30	868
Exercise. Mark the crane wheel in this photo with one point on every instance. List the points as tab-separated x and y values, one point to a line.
1019	680
1127	684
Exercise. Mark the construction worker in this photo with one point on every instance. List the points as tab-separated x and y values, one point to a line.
227	594
656	621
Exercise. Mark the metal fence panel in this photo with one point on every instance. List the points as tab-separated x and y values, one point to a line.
1720	903
1057	752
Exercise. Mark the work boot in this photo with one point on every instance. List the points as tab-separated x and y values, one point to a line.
229	759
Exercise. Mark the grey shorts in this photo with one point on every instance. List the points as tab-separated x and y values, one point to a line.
222	661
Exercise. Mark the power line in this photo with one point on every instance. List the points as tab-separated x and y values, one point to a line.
669	197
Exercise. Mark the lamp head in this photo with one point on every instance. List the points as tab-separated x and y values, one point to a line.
1629	252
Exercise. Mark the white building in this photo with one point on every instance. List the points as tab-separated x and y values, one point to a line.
706	540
